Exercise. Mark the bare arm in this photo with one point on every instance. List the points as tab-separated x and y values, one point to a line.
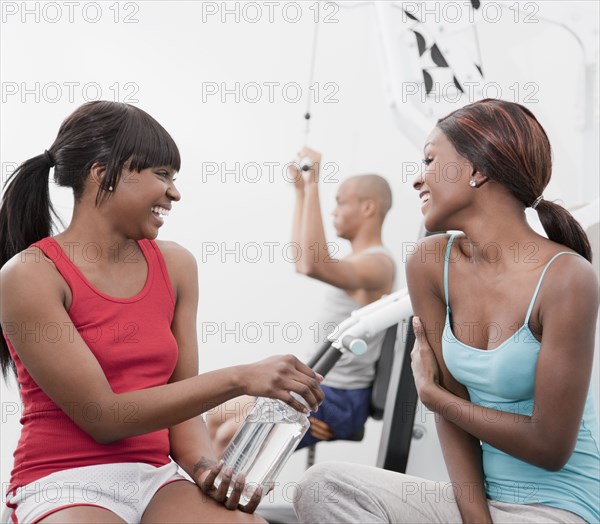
569	306
315	252
67	371
190	443
462	451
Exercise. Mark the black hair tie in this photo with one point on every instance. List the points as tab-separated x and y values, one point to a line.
49	160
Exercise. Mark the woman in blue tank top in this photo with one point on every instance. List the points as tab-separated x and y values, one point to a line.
506	338
505	324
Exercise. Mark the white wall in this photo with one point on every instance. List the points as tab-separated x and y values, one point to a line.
160	62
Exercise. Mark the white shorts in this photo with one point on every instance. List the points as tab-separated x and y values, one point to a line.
123	488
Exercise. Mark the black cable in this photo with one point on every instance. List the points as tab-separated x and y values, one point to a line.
311	78
305	163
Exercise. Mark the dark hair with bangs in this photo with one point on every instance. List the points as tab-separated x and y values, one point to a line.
505	142
111	134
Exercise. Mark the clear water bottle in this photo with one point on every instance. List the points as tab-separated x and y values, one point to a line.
263	444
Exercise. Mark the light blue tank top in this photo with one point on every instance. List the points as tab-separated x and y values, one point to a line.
503	379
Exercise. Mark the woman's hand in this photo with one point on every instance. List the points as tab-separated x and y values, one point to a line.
276	377
206	472
424	365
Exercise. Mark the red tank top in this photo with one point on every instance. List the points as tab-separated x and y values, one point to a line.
132	340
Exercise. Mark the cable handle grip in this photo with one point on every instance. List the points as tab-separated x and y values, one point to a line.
306	164
327	361
317	356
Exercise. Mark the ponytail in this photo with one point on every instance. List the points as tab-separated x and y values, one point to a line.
25	217
561	227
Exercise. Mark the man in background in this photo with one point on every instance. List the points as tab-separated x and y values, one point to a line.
362	277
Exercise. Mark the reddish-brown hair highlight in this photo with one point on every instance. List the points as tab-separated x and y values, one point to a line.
505	142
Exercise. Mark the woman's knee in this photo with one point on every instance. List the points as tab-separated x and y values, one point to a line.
78	514
184	502
317	473
321	483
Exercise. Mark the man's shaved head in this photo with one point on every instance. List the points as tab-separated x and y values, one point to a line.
372	187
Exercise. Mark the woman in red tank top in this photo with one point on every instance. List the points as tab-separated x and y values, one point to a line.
111	377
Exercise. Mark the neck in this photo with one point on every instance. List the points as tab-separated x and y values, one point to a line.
91	236
501	243
365	239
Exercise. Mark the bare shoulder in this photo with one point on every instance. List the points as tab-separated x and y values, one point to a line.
31	263
571	278
383	260
176	256
30	274
427	255
425	267
181	266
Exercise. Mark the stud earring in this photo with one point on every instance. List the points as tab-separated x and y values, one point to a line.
472	182
110	188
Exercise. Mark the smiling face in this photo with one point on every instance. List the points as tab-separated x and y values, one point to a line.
142	199
444	184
